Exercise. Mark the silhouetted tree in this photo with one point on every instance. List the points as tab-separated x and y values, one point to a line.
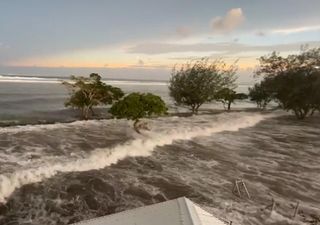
297	91
199	82
228	96
85	93
273	65
260	95
292	81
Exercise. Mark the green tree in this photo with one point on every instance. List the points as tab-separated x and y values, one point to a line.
260	95
228	96
86	93
297	91
138	105
293	81
199	82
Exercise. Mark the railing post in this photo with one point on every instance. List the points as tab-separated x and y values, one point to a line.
296	210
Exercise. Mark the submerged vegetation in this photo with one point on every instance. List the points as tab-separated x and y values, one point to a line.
86	93
136	106
228	96
199	82
260	95
293	82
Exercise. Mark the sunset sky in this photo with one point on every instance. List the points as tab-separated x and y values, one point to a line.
145	38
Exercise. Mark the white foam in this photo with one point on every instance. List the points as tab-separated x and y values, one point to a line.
41	127
140	83
21	79
141	146
30	79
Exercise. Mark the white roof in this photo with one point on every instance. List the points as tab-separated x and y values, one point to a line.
180	211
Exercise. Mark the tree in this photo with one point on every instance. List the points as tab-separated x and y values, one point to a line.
293	81
297	91
260	95
138	105
199	82
85	93
316	94
273	65
227	96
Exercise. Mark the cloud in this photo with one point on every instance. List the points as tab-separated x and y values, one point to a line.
236	40
290	30
296	29
260	33
139	64
183	31
233	19
225	48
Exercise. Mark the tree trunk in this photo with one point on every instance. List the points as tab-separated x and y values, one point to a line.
300	113
229	106
85	113
193	109
91	110
82	113
197	109
224	105
136	127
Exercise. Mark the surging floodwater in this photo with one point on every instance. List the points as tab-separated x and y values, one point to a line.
63	173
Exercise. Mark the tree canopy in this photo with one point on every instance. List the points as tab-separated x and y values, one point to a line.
228	96
138	105
297	91
198	82
292	81
260	95
274	64
85	93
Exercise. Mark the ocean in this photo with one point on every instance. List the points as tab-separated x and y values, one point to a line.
61	173
26	99
41	99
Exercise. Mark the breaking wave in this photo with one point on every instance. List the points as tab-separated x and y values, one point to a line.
143	145
41	79
28	79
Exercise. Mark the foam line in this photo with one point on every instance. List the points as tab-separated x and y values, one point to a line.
141	146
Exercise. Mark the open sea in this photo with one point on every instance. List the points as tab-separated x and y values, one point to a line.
61	173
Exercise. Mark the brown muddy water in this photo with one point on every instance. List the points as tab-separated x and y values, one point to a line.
64	173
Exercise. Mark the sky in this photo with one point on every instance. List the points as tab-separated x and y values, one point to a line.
144	39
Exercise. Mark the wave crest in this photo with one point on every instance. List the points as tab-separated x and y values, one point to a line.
185	129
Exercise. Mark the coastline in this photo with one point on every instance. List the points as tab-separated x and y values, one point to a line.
66	116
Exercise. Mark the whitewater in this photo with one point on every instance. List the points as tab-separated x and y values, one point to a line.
67	172
141	145
61	173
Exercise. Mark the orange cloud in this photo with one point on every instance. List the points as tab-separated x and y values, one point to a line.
229	22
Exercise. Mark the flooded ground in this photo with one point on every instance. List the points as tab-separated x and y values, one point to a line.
63	173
